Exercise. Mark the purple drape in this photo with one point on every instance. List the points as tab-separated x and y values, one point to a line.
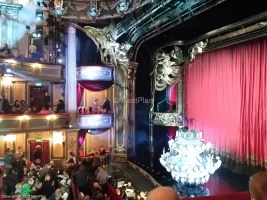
80	91
81	138
96	85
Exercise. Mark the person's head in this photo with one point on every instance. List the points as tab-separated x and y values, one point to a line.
19	149
258	186
96	100
47	177
25	180
86	198
101	148
16	103
163	193
5	45
60	101
38	147
22	102
2	96
90	109
34	109
7	150
46	93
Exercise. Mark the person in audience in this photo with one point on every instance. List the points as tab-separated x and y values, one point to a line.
12	177
44	171
2	194
25	188
4	105
258	186
102	151
60	107
23	106
19	153
19	164
102	178
47	188
90	110
161	193
5	51
82	180
46	101
37	154
32	48
72	159
44	111
106	105
16	107
9	159
96	106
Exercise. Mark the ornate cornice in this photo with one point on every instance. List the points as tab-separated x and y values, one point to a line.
166	119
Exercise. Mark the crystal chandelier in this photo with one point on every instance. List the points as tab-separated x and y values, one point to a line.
190	159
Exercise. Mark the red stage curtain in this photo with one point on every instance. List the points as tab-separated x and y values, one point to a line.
226	98
172	97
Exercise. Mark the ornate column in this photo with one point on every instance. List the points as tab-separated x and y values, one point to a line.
180	94
131	85
121	111
71	78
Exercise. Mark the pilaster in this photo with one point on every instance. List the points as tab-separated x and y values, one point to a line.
131	85
71	78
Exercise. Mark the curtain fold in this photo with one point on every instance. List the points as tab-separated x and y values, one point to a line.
96	85
80	91
226	98
81	138
172	98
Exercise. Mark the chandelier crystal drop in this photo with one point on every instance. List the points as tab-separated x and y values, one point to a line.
190	159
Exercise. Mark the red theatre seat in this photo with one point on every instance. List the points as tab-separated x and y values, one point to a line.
112	193
236	196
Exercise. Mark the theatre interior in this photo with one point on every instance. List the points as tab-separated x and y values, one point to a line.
112	99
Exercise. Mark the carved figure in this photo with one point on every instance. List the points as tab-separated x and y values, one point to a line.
168	68
122	7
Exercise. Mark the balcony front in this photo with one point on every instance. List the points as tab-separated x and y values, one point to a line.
95	121
166	119
14	122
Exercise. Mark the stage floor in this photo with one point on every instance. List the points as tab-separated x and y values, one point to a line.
222	182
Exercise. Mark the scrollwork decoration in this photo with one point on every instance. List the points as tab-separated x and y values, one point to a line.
59	9
120	149
168	68
122	7
197	49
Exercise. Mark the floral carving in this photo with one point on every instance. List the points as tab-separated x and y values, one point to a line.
167	118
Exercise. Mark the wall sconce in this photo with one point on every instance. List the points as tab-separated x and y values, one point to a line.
9	138
6	81
51	117
58	137
24	118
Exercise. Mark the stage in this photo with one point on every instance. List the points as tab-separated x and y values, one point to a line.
222	182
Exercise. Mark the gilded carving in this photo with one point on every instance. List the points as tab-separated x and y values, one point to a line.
34	135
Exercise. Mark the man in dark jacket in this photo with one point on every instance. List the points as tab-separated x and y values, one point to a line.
4	105
82	181
106	105
9	159
46	101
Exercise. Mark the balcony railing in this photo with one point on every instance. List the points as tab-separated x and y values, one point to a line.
10	122
166	119
95	121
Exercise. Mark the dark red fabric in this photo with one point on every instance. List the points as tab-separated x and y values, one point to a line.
172	98
112	193
80	91
96	85
226	94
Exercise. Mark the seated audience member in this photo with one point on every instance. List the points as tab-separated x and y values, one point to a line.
25	188
258	186
31	110
161	193
12	178
44	171
102	151
60	107
15	107
44	111
5	51
47	188
23	106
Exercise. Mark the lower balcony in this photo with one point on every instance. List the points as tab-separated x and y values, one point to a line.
95	121
10	122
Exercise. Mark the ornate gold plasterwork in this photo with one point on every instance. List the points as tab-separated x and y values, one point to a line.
168	68
105	39
167	119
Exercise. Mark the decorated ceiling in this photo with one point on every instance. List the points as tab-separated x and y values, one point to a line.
92	10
